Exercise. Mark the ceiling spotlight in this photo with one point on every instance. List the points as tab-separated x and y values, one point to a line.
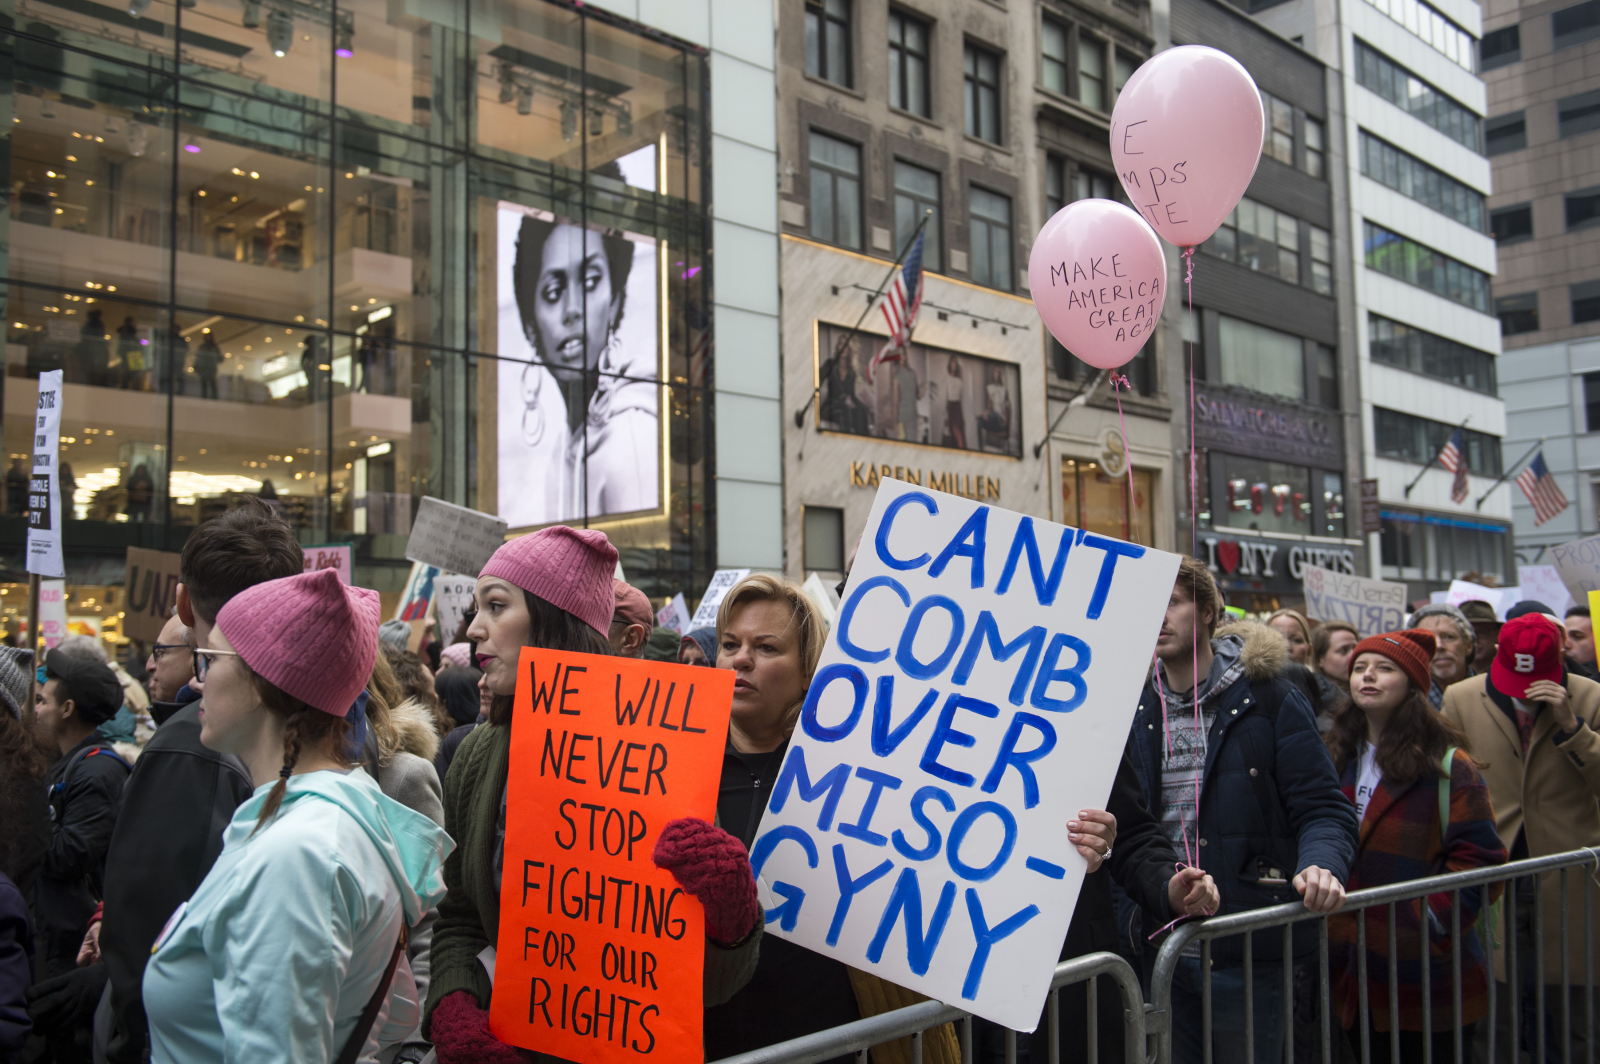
569	121
192	146
137	8
344	32
252	14
524	99
280	32
597	122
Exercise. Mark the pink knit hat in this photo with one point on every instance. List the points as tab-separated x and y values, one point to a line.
308	635
567	567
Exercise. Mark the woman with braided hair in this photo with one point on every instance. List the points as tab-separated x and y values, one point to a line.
291	949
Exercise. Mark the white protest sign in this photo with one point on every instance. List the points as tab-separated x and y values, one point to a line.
1578	563
452	598
44	484
976	692
722	581
824	597
674	615
1544	584
453	538
1500	598
1373	606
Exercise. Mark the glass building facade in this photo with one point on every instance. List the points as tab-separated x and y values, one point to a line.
340	255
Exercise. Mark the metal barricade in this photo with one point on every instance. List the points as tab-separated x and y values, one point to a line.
913	1020
1504	1045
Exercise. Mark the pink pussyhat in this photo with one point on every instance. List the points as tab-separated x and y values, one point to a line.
567	567
308	635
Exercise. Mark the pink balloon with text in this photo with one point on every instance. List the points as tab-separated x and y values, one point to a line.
1186	138
1098	278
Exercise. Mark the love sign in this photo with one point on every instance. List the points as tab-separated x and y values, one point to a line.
975	694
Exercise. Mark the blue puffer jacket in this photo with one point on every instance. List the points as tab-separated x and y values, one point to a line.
1269	796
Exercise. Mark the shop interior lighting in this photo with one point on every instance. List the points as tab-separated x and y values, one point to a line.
252	14
280	32
344	32
137	8
191	146
138	138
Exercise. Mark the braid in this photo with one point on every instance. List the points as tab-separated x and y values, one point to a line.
303	724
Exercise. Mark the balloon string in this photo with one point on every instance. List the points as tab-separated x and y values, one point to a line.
1119	382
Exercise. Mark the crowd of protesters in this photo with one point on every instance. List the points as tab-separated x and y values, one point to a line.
287	844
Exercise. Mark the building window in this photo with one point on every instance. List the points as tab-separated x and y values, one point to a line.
1327	377
908	64
1055	184
1053	55
1316	157
1262	359
1501	48
1504	133
1410	176
1321	260
1333	505
1421	546
990	223
828	40
1575	24
1259	238
1409	348
1265	496
1511	225
1591	401
1417	439
982	76
824	542
1126	65
1279	141
1092	72
1427	22
1092	184
1583	208
1585	301
1403	258
1096	501
1416	97
1579	114
835	191
917	190
1518	314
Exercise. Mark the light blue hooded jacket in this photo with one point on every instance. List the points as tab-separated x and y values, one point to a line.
285	941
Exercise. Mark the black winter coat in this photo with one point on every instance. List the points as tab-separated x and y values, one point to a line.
85	792
16	970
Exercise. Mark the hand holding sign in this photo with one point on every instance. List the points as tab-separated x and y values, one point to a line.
1186	138
1098	278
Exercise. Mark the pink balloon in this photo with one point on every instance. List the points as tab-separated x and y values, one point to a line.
1099	278
1186	138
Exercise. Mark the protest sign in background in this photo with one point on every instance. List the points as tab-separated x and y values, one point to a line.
722	581
52	612
1543	583
1373	606
336	556
419	592
1499	599
44	482
601	953
674	615
453	538
1578	563
452	598
975	693
152	590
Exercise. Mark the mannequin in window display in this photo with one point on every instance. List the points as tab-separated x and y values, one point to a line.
206	361
590	405
955	419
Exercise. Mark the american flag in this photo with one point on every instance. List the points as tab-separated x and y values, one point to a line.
900	305
1454	458
1541	489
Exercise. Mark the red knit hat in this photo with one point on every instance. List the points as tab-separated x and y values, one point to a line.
309	635
1412	650
1530	650
567	567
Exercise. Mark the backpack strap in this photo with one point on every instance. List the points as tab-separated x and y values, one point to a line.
1444	792
369	1015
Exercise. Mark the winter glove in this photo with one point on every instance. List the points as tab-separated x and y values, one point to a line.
460	1031
713	866
67	1002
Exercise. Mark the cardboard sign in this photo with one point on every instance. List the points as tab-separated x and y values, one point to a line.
674	615
419	592
1578	563
44	482
1373	606
975	693
722	581
453	538
825	598
1543	583
452	598
52	612
601	953
336	556
152	592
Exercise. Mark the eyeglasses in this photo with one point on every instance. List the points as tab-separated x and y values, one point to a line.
202	661
158	649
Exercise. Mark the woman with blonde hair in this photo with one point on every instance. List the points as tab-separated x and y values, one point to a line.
1296	631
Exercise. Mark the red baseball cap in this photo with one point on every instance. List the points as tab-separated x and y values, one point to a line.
1530	651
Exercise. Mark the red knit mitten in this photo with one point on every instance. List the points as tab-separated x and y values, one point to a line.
714	867
460	1032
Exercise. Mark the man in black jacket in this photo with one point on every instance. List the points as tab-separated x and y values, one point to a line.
181	795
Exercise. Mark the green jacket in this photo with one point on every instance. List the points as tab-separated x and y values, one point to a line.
469	915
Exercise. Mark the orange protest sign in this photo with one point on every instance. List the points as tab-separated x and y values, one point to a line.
601	953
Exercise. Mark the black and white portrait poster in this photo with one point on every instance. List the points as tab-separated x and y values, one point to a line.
579	392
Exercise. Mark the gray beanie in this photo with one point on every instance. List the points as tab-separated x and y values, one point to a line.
1440	609
15	665
395	633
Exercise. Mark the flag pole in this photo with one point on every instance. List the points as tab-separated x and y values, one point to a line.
1434	460
838	349
1514	465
